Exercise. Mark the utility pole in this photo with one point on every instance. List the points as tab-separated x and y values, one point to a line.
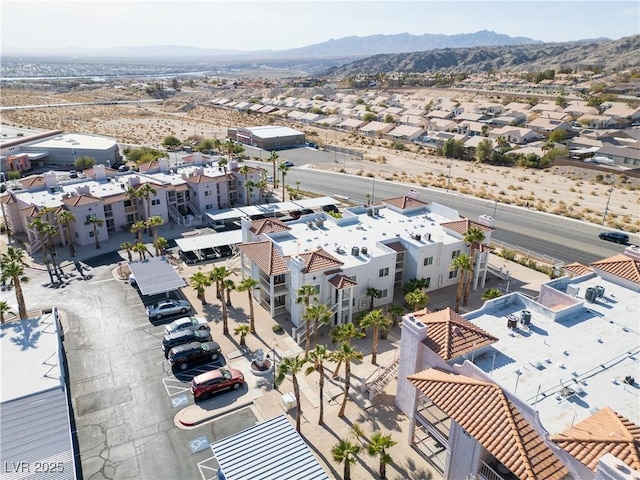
606	208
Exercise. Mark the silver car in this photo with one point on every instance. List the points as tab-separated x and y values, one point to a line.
168	307
191	323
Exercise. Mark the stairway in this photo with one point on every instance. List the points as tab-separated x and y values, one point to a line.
382	379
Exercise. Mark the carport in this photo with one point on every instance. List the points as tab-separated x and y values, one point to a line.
270	209
156	275
268	450
212	240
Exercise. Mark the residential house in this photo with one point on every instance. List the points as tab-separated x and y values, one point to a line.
406	132
545	126
517	135
351	124
624	156
376	128
597	121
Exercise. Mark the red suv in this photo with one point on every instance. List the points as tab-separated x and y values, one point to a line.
205	384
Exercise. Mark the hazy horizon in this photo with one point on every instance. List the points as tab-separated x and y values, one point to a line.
281	25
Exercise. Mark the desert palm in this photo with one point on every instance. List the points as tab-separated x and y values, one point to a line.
248	285
133	198
462	265
219	275
141	249
292	366
395	311
153	223
344	334
137	228
345	452
304	295
373	293
243	330
378	321
378	445
346	353
65	217
283	171
274	157
416	299
244	171
12	267
228	286
5	309
95	222
199	282
317	356
473	237
160	244
128	247
320	314
146	190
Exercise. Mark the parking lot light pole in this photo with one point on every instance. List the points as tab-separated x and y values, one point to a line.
275	373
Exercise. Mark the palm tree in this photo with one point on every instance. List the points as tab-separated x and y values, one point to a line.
128	246
146	190
248	285
320	314
491	293
219	275
141	249
161	245
244	171
303	295
395	311
12	267
379	321
137	228
473	237
153	223
283	171
228	286
95	222
5	309
344	334
65	217
44	231
462	265
249	186
416	299
261	185
317	356
199	282
243	330
229	146
373	293
415	284
346	353
217	144
274	157
133	198
292	366
345	452
378	445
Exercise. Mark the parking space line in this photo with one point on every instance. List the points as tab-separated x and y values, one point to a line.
208	471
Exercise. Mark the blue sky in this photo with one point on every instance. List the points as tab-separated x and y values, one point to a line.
256	25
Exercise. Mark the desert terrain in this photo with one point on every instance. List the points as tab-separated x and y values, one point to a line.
568	191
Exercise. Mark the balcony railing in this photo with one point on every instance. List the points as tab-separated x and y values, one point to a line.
485	472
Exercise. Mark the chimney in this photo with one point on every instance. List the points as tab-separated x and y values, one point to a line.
163	163
100	172
50	180
197	158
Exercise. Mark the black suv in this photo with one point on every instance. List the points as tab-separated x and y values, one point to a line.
617	237
192	353
224	251
186	335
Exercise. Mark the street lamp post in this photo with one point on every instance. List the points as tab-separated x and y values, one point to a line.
606	208
373	190
275	373
449	178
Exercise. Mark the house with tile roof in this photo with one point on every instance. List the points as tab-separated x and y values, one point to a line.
530	388
380	246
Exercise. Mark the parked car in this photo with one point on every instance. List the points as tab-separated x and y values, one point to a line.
184	356
288	163
186	335
209	253
168	307
73	174
218	380
225	251
186	323
123	168
330	208
189	257
617	237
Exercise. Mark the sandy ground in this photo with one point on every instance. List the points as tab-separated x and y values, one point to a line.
567	191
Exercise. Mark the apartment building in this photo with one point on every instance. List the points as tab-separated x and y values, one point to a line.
381	246
543	388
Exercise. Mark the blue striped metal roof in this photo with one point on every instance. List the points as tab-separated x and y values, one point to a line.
156	275
267	451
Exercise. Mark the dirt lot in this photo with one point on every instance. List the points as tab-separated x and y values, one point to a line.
568	191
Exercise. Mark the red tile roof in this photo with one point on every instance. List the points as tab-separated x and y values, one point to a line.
450	335
80	200
265	256
118	197
484	412
463	225
405	202
603	432
268	225
32	182
397	246
200	179
319	260
7	198
621	266
577	269
342	282
29	211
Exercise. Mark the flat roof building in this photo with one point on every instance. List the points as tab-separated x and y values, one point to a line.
269	137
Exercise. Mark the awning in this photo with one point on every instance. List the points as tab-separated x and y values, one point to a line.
198	242
156	275
272	208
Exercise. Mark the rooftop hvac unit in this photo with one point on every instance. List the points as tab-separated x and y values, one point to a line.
599	291
591	294
376	211
417	237
355	251
370	212
319	221
364	250
310	224
525	318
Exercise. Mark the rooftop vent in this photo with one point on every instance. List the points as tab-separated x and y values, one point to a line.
355	251
364	250
370	212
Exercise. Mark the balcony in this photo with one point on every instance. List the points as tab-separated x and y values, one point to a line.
485	472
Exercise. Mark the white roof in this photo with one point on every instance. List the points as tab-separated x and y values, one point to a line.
273	131
74	140
198	242
271	208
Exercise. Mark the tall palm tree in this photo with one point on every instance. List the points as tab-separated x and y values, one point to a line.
222	163
344	334
146	190
219	275
141	249
373	293
154	222
161	245
217	144
199	282
292	366
128	246
395	311
12	267
261	185
249	186
133	198
229	146
462	265
244	171
274	157
379	321
95	222
473	237
248	285
228	286
345	452
243	330
5	221
346	353
304	295
283	171
317	356
44	231
137	228
65	217
5	309
320	314
416	299
378	445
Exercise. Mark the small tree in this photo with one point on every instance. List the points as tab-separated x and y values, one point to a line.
416	299
373	293
484	150
171	142
243	330
378	445
84	162
345	452
558	136
369	117
5	309
491	293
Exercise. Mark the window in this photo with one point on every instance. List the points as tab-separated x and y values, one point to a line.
353	277
130	218
155	201
209	206
428	261
383	294
127	203
317	289
383	272
207	193
455	254
89	217
453	274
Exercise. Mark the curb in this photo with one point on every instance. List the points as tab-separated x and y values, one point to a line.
191	424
